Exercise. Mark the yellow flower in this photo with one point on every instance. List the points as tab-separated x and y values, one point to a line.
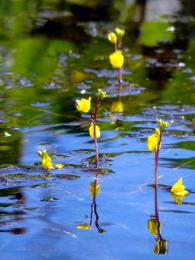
120	32
102	94
153	226
83	105
117	59
153	140
84	226
47	162
94	188
163	124
59	166
178	189
91	131
112	37
117	107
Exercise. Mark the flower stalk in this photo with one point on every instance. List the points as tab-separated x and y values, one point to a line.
84	105
117	58
154	145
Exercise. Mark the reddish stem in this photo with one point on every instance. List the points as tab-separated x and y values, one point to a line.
95	134
156	182
120	81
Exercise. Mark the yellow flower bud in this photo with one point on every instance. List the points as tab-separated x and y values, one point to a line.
112	37
153	140
120	32
117	59
117	107
91	131
163	124
102	94
83	105
178	189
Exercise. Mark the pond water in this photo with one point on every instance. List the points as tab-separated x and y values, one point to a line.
54	51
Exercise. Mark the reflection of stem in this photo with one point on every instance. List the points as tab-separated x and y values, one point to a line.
120	81
94	208
156	182
156	209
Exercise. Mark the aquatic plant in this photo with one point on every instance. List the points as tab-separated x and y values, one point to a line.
154	144
94	189
117	58
84	105
47	162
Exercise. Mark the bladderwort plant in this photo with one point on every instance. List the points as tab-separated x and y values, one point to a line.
47	163
117	58
84	105
94	189
154	145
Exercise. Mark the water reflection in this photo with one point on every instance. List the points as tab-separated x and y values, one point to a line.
12	211
154	226
94	189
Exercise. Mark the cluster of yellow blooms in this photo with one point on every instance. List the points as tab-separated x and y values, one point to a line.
47	163
84	105
116	58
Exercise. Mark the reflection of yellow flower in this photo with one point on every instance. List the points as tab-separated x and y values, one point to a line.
153	226
83	105
94	188
163	124
91	131
117	59
120	32
178	189
117	107
102	94
112	37
84	226
161	246
153	140
178	199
